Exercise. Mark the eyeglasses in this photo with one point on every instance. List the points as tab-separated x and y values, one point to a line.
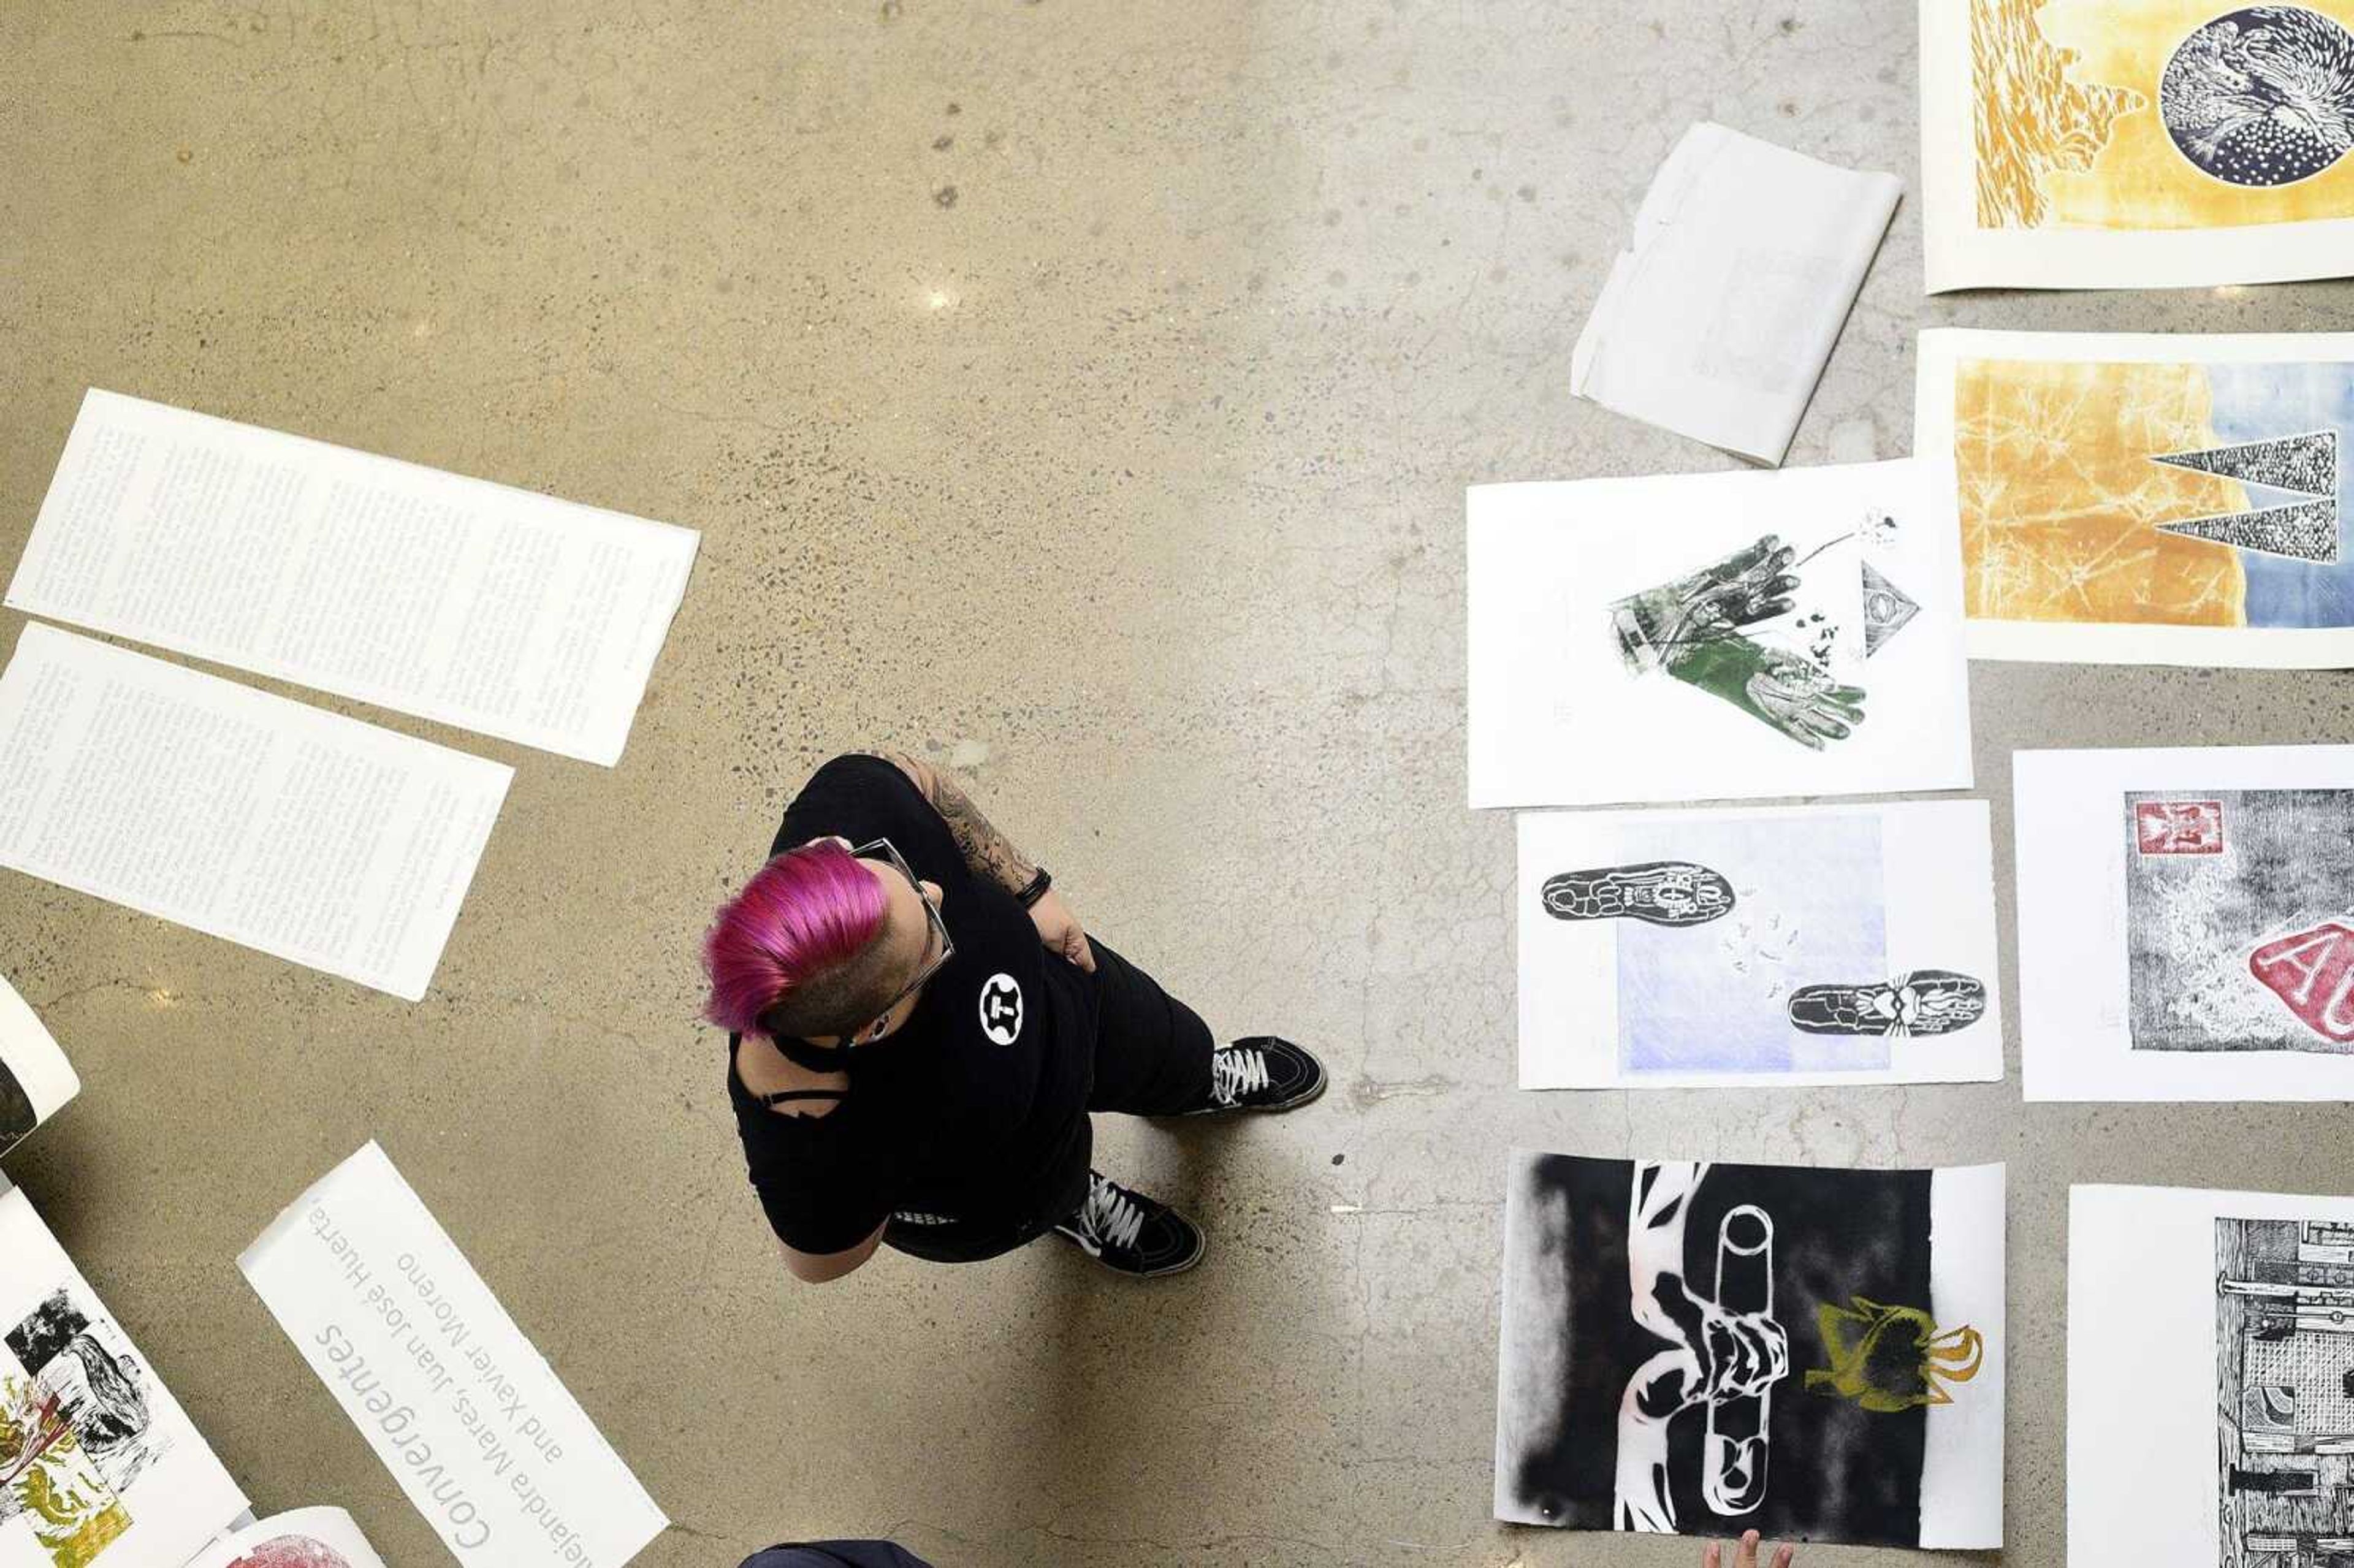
883	850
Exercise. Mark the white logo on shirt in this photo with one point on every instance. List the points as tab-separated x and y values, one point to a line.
1000	1008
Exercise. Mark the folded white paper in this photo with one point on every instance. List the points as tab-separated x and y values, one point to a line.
493	609
303	1538
2183	932
35	1079
2211	1375
1715	636
2135	144
98	1465
471	1422
1718	318
300	832
1814	945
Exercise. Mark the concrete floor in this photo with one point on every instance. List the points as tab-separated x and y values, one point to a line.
1079	393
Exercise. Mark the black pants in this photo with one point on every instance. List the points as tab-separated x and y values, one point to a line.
1152	1058
836	1554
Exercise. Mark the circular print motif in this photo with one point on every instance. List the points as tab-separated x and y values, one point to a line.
2262	96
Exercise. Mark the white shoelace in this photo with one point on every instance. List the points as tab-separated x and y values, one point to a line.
1235	1072
1108	1216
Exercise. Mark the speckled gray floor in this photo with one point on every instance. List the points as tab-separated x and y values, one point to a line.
1082	393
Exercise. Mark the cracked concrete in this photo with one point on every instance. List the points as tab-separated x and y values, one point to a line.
1131	482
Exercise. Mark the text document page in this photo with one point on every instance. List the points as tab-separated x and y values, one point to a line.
470	603
305	834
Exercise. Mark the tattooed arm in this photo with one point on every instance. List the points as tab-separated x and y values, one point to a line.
989	853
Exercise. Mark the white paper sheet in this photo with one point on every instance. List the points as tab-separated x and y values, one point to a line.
1669	949
1628	642
1717	319
459	1405
2160	1359
35	1079
2175	911
124	1476
1606	1419
305	834
471	603
2048	448
301	1538
2095	179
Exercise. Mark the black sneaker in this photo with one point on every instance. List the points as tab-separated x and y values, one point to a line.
1261	1073
1130	1233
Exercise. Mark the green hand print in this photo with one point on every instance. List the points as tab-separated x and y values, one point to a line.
1691	627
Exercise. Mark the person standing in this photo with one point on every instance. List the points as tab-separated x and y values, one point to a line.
919	1026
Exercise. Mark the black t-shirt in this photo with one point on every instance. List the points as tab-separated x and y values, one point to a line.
971	1109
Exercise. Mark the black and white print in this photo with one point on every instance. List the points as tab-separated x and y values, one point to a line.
1705	1349
18	1117
77	1357
2262	96
100	1464
35	1077
2303	465
2283	1391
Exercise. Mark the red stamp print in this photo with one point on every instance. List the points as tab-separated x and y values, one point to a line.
2179	827
2313	972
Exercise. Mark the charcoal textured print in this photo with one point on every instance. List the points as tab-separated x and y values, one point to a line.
1709	1349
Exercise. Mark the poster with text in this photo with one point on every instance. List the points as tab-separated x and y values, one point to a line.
457	1402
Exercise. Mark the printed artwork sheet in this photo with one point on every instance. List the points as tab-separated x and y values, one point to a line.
1715	637
302	834
474	604
99	1465
1718	318
2185	923
1706	1348
304	1537
2211	1377
35	1079
2147	499
461	1406
1812	945
2136	144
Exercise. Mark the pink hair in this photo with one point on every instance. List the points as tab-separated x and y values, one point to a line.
808	911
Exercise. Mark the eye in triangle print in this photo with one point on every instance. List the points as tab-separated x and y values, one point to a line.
1705	1349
